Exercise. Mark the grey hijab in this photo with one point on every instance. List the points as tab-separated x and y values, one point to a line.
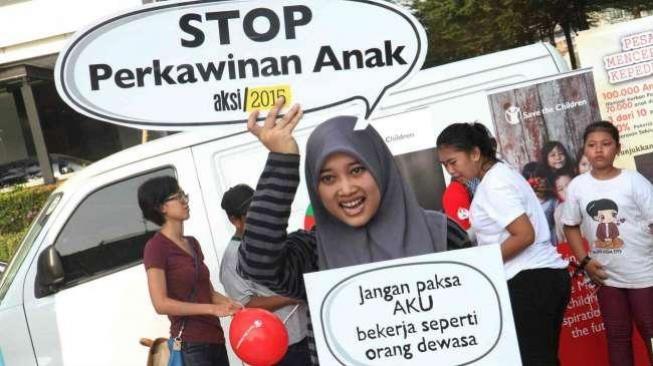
400	228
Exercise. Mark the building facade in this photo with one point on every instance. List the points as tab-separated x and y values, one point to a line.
34	121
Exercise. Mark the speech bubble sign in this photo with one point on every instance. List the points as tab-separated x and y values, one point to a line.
181	65
415	311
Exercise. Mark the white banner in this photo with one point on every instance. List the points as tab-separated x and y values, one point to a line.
449	308
622	57
407	132
179	65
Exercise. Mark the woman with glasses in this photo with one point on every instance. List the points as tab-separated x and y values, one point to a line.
178	280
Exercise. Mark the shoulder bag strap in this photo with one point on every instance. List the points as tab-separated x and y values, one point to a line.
193	292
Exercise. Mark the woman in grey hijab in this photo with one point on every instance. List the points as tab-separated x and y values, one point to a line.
357	221
398	228
364	210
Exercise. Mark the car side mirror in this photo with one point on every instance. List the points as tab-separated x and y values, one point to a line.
50	273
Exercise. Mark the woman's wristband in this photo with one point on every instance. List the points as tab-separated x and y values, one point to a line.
584	262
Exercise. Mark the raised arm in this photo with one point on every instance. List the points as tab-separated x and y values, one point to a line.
268	255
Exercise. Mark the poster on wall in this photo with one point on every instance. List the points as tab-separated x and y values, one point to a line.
451	308
186	64
531	117
539	128
622	58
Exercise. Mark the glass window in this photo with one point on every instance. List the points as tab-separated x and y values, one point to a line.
27	243
107	231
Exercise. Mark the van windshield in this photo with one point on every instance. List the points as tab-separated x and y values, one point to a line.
27	243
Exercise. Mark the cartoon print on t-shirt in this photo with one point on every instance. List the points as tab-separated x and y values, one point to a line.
605	211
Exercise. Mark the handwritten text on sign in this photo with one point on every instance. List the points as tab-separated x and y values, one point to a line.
451	307
179	65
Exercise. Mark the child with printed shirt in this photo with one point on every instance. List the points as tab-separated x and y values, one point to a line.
613	208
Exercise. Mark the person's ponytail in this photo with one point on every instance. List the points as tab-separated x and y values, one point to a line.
467	136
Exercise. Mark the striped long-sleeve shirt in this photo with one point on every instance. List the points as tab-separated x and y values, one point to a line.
276	259
268	254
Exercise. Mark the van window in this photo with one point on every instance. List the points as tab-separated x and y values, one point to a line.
27	243
107	231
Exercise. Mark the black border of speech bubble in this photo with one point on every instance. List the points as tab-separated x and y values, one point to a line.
496	293
128	122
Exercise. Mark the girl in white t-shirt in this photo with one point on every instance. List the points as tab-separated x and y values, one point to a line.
614	210
505	211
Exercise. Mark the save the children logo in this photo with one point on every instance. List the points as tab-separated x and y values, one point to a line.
180	65
513	114
606	213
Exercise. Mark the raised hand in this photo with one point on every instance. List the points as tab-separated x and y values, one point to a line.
276	133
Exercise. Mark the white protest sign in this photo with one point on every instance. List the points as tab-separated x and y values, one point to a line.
449	308
180	65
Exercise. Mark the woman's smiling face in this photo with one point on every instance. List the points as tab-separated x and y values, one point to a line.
348	190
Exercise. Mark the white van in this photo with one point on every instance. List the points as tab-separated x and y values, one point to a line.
96	310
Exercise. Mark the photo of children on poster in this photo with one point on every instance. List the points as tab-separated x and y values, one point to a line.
539	128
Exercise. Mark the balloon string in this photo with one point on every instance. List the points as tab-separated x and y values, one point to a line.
291	313
249	330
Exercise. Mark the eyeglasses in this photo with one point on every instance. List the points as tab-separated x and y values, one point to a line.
180	195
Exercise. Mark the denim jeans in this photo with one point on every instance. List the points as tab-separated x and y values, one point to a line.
204	354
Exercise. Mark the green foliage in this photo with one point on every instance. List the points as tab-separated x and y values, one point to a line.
9	244
17	209
635	7
459	29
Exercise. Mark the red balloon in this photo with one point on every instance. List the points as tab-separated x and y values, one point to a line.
258	337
